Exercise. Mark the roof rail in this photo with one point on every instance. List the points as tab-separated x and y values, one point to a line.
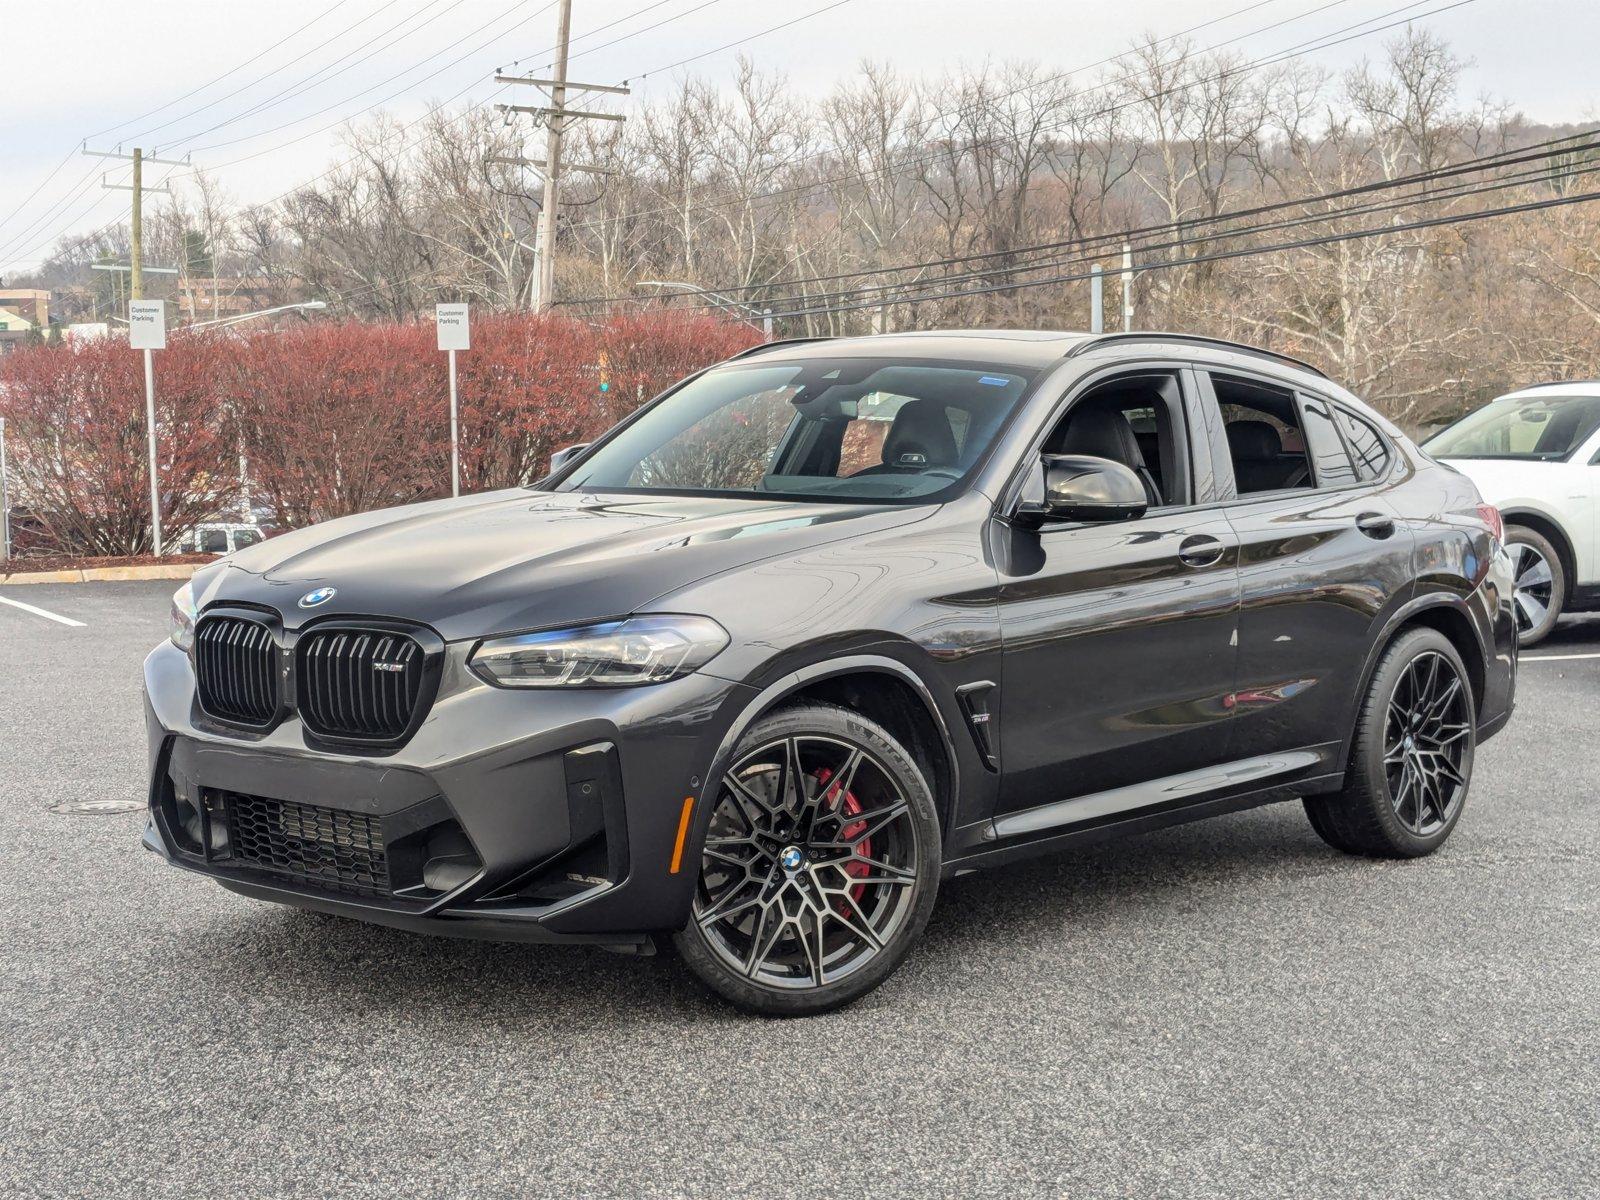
1095	341
772	345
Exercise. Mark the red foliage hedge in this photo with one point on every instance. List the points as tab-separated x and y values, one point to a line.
330	418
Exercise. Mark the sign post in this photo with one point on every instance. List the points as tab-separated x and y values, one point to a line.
147	331
5	500
454	334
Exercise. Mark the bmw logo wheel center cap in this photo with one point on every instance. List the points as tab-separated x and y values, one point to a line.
320	596
791	858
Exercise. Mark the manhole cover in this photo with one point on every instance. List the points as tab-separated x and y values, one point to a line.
97	807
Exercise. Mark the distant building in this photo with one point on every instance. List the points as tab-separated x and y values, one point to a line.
199	298
14	330
30	303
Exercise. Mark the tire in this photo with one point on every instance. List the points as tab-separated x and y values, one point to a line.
1539	583
1410	762
808	900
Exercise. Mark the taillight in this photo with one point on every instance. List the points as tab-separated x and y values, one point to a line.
1491	518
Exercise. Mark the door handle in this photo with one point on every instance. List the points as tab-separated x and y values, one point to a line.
1199	550
1375	525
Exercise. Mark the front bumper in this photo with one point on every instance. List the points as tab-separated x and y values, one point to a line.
511	815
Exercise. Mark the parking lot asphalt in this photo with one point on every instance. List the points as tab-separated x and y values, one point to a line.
1224	1009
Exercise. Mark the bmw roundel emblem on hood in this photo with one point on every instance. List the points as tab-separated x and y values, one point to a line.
321	596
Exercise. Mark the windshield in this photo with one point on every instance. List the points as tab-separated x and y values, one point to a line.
1544	428
873	429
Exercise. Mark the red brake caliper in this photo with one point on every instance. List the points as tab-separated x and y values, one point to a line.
850	807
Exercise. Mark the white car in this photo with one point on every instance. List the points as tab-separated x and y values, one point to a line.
1535	455
219	538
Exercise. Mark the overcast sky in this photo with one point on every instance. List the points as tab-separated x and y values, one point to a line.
77	69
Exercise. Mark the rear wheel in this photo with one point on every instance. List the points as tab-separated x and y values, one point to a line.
1538	581
820	866
1411	757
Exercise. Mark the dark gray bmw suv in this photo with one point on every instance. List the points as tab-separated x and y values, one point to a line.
827	623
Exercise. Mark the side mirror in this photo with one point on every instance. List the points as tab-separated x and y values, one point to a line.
563	456
1080	487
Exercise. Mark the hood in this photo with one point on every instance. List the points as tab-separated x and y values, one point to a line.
1509	482
514	560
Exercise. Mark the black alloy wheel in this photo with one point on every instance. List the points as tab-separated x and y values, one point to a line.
819	868
1425	742
1411	756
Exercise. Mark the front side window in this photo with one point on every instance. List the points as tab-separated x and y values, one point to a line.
1538	428
833	429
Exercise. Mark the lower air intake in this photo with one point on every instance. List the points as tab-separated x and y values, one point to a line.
322	848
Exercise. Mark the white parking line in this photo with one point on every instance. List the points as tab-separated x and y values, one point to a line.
1557	657
39	612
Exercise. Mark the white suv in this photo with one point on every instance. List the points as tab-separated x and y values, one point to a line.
1535	455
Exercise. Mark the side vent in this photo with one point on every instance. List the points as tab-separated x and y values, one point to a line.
974	698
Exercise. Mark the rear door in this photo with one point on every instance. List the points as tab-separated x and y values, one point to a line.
1323	556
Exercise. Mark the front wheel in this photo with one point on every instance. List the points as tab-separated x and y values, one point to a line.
820	866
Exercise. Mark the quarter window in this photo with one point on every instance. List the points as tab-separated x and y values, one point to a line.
1330	462
1368	447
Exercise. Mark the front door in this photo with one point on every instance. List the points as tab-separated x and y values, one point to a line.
1119	638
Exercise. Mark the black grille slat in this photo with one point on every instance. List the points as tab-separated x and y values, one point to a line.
235	670
349	691
324	848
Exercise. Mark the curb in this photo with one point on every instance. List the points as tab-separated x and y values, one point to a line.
103	574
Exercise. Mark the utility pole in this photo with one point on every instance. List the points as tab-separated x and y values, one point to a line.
136	221
1127	287
1097	300
546	241
555	116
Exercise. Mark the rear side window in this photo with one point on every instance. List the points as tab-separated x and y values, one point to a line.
214	541
1368	447
1330	463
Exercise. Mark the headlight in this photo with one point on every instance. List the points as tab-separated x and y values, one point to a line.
613	654
183	617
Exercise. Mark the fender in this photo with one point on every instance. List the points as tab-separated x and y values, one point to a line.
853	664
1397	618
1574	558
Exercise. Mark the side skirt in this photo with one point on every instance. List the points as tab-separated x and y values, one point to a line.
1159	804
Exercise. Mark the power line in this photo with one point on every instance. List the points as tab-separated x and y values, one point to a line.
495	20
1316	218
752	37
212	105
1219	256
1347	33
327	12
1551	147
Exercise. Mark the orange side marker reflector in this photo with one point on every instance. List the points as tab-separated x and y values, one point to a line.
683	833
